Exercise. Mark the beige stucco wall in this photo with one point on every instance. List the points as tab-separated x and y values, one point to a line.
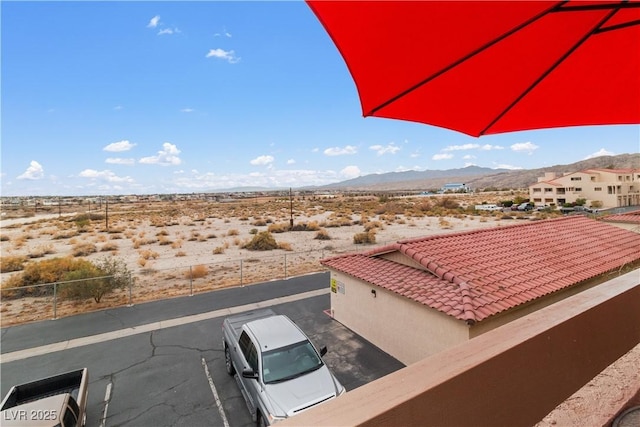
625	191
405	329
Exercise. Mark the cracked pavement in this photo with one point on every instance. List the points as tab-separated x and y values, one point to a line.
157	377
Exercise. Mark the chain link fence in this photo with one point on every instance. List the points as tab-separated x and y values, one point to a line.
59	299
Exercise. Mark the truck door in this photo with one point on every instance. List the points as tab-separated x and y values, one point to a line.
250	355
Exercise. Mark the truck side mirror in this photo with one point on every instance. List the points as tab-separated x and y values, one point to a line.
323	351
249	373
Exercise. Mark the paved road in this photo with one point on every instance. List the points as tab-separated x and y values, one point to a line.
161	363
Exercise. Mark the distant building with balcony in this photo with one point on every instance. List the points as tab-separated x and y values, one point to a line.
455	188
610	187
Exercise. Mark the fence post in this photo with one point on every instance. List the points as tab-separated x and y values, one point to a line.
285	266
55	300
241	272
130	286
190	280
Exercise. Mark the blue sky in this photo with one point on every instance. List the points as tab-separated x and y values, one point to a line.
180	97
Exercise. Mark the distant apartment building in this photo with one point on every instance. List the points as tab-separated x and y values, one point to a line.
610	187
454	188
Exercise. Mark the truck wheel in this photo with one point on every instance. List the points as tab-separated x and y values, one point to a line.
260	422
227	361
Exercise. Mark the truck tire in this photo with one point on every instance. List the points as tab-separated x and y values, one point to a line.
260	421
227	361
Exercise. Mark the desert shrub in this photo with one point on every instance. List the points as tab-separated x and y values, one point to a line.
176	245
263	241
285	246
233	232
41	272
253	231
94	280
365	237
444	223
41	251
448	203
109	247
322	235
12	263
148	254
4	238
163	241
181	253
259	223
218	250
371	225
197	272
83	249
278	227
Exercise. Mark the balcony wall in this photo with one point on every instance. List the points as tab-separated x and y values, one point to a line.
514	375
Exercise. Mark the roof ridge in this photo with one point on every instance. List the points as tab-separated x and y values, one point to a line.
467	303
484	230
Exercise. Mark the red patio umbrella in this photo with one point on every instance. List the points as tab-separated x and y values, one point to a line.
481	67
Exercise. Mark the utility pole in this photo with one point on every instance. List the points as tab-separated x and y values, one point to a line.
106	213
290	210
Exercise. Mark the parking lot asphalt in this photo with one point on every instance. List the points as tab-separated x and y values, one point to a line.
175	374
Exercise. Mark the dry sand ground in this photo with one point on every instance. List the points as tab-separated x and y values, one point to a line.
174	251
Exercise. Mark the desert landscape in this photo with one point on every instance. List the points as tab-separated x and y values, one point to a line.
173	249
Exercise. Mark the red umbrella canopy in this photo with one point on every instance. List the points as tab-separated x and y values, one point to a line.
481	67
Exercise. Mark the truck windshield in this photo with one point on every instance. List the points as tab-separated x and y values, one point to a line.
289	362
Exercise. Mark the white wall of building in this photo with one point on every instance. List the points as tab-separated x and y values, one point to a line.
405	329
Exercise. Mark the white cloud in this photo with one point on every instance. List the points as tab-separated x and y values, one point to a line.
461	147
315	150
380	149
168	156
118	107
168	31
503	166
601	152
227	55
123	145
291	162
262	160
467	164
442	156
187	110
153	23
105	175
468	157
528	147
338	151
33	172
414	155
350	172
224	33
489	147
120	161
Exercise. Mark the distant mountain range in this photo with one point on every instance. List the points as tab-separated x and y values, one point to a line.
476	177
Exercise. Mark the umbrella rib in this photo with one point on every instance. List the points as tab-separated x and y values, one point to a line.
617	27
555	6
549	70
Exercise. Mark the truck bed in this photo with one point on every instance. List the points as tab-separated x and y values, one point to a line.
69	382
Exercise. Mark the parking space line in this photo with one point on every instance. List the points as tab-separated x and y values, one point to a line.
149	327
107	398
215	393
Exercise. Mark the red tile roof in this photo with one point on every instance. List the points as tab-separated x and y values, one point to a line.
629	217
477	274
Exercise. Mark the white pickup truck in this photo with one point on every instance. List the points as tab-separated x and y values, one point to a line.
57	401
279	371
